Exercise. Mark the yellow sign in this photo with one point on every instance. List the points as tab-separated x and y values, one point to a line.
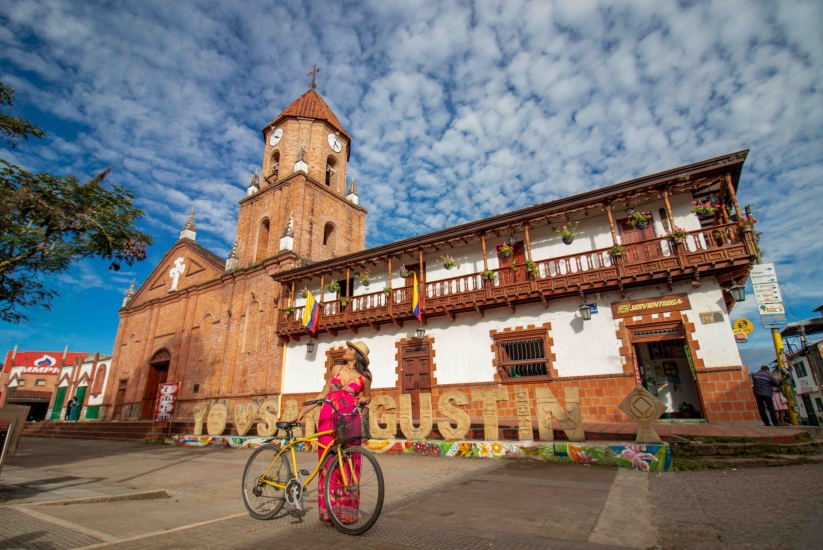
743	326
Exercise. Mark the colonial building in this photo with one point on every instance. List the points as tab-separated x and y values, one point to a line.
635	291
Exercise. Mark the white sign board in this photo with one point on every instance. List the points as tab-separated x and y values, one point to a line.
772	309
763	273
767	293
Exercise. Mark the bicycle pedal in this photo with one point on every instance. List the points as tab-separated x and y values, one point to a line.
304	472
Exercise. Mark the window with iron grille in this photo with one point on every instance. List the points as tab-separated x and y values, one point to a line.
522	355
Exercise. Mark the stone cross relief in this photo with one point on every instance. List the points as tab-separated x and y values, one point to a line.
175	272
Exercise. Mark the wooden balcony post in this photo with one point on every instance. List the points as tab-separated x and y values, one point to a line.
483	244
528	255
388	284
291	298
611	223
730	189
669	209
349	290
322	289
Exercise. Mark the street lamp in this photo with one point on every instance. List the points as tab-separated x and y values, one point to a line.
421	332
586	312
310	346
738	292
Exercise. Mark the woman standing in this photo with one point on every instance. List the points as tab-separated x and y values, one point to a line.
349	386
781	407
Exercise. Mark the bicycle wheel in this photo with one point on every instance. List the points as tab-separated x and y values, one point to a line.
261	499
354	508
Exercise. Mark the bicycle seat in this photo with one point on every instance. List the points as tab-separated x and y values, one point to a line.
287	425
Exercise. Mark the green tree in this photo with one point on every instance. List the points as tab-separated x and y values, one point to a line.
47	222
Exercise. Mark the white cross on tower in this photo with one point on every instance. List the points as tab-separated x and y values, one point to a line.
175	272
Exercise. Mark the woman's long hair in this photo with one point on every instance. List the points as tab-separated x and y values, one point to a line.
360	364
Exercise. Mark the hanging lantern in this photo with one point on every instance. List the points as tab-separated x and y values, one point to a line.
512	240
310	346
738	292
586	312
421	332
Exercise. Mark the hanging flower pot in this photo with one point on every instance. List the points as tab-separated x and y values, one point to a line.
676	235
747	225
304	293
637	219
618	250
489	275
568	232
404	272
505	251
364	277
449	262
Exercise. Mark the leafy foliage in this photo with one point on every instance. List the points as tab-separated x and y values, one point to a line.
47	222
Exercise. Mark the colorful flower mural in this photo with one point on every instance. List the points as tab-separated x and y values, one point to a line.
646	458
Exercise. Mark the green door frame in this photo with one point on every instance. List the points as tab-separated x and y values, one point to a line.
80	395
59	397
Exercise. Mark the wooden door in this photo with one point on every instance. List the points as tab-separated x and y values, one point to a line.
59	397
630	235
416	369
508	275
157	376
119	399
80	395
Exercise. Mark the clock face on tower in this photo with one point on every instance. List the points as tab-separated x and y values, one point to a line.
334	143
275	136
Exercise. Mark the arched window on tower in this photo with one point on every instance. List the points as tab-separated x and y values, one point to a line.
328	234
330	170
262	241
275	165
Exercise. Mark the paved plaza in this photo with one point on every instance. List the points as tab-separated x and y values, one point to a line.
71	493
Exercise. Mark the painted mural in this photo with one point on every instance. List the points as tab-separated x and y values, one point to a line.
646	458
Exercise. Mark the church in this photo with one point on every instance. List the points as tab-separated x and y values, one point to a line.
586	296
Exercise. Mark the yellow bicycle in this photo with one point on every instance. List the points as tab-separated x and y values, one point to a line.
353	488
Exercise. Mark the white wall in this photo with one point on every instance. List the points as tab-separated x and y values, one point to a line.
463	346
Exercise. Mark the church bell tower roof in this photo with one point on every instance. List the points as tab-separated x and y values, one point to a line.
311	105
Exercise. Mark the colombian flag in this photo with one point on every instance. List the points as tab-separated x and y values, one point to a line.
311	314
416	300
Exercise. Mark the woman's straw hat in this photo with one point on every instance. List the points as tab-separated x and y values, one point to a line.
362	348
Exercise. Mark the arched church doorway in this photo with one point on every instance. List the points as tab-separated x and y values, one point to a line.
158	371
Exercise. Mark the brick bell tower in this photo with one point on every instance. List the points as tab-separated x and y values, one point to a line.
300	201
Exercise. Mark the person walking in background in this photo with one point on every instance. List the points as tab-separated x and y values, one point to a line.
69	407
762	384
74	408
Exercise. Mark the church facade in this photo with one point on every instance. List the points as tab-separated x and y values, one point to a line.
586	296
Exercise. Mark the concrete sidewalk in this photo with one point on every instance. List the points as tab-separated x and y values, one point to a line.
194	502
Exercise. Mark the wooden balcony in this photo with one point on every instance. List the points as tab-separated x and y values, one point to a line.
710	250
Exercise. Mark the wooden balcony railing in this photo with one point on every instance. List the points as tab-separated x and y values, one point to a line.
707	249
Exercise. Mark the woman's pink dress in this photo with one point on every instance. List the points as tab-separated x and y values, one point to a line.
345	399
779	401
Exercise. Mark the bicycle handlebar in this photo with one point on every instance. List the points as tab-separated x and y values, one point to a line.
321	401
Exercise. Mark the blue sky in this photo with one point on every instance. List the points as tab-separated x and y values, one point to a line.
457	111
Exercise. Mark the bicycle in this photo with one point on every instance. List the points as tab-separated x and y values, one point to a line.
269	482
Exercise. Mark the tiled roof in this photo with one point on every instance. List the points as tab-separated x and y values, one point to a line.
30	394
311	105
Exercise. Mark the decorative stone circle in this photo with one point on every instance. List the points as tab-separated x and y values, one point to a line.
644	408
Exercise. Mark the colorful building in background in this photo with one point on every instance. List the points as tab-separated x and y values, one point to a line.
29	378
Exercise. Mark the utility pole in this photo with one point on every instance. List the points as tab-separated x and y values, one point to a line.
779	351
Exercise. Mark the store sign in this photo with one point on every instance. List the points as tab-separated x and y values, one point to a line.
677	302
804	386
743	325
741	337
166	402
40	362
711	317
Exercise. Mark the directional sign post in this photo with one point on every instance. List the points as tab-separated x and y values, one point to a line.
768	297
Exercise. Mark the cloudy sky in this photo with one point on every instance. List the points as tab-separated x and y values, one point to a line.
457	111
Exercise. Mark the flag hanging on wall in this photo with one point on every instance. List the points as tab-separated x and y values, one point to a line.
311	314
416	300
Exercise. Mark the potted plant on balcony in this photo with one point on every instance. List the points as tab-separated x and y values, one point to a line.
305	292
363	277
404	272
687	410
747	225
489	275
618	250
676	235
333	286
568	232
531	267
704	209
637	219
449	262
344	300
505	251
386	291
289	311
